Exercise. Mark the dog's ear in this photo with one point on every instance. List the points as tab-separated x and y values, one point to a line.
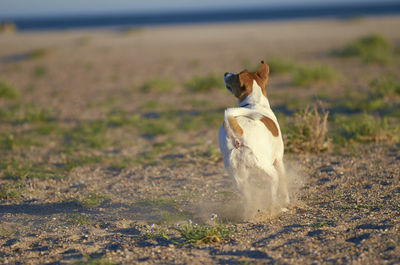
262	73
261	76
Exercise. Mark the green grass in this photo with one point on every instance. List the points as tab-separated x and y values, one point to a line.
201	120
364	128
25	113
8	91
116	118
278	66
317	74
38	53
11	191
157	85
77	219
92	200
20	170
328	222
151	128
361	206
88	134
12	142
39	71
372	48
204	83
77	160
197	234
385	86
309	131
383	97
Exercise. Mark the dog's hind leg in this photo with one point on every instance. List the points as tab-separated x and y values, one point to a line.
283	189
272	177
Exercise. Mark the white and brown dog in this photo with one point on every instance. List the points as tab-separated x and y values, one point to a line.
250	138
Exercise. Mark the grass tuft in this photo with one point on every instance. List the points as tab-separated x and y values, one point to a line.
383	97
157	85
364	128
205	83
278	66
39	71
38	53
197	234
77	219
309	131
320	74
372	48
8	91
10	191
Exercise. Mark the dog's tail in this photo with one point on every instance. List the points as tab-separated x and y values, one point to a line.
232	126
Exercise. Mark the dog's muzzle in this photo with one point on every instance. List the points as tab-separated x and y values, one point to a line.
226	80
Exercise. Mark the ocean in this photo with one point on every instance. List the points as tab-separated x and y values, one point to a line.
206	16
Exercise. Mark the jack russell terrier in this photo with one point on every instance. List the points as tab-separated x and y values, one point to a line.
250	138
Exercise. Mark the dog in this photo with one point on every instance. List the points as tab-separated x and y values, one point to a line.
250	138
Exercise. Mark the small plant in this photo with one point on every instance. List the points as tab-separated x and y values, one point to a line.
39	71
77	219
12	142
309	132
385	86
306	76
383	97
364	128
38	53
153	128
372	48
278	66
196	234
328	222
154	232
157	85
204	84
10	191
80	160
88	134
8	91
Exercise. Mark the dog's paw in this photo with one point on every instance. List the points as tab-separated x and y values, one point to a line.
237	143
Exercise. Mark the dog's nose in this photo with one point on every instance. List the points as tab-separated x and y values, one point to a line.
227	75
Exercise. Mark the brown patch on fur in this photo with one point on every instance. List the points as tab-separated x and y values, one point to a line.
237	130
271	126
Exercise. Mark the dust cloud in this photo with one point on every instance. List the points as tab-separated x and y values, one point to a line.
253	201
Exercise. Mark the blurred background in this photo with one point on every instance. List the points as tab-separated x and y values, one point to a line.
45	14
116	105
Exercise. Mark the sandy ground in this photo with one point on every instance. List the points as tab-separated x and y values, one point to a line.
346	211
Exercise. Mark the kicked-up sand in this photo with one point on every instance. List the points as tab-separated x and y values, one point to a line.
108	136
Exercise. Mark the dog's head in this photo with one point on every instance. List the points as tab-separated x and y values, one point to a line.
241	85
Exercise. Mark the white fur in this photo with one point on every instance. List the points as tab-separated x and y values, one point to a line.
257	149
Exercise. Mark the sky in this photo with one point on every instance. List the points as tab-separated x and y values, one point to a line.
38	8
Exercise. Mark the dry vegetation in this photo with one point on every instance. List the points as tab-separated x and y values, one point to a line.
109	152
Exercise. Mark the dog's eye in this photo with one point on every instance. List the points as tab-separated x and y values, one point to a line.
243	87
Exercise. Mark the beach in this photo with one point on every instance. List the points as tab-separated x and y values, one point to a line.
107	131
